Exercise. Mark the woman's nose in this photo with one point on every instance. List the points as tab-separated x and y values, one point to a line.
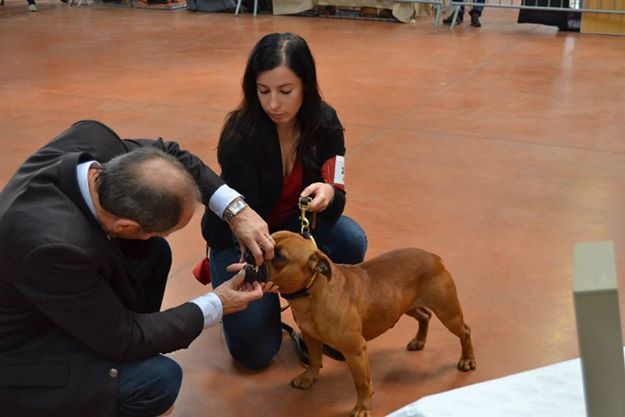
274	102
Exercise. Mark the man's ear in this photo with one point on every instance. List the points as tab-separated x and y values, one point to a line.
320	263
125	227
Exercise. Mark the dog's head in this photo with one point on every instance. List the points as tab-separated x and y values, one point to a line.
295	261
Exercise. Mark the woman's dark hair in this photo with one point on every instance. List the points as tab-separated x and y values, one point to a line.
274	50
148	186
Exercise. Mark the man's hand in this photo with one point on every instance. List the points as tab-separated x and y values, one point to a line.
252	233
235	295
268	286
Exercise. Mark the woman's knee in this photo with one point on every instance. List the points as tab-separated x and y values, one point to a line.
254	336
349	241
255	359
256	350
358	241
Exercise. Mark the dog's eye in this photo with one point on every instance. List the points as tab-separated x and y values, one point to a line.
278	255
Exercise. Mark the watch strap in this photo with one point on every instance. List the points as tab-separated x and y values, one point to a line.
235	207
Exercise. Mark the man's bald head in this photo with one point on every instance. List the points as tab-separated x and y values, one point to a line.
147	186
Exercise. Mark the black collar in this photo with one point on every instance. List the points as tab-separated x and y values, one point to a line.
303	292
297	294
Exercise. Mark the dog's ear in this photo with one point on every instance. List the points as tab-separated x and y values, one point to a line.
318	262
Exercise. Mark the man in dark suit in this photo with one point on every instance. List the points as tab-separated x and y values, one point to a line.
83	267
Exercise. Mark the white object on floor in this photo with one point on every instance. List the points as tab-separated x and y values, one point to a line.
551	391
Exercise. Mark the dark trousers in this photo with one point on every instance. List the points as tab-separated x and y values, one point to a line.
149	387
474	9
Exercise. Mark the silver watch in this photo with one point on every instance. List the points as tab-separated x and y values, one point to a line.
235	207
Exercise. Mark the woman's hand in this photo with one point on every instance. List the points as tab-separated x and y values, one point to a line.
322	195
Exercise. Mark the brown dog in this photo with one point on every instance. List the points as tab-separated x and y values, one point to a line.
344	306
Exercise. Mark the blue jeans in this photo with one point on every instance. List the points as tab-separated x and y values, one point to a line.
254	336
147	388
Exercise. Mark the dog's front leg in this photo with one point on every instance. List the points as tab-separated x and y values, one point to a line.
307	378
359	366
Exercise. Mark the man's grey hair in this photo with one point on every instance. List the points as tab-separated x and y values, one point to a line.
148	186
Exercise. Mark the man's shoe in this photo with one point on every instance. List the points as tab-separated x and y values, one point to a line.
32	7
475	20
450	18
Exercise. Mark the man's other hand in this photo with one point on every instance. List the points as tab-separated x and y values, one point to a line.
252	233
235	295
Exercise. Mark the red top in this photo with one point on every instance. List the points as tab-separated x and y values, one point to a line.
292	186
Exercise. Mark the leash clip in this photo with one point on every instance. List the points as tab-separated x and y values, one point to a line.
305	228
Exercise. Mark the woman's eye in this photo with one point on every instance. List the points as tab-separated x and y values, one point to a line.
286	92
263	92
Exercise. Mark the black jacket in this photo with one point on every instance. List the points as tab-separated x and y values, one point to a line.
67	304
255	170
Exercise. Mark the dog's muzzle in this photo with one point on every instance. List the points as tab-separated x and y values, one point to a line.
253	272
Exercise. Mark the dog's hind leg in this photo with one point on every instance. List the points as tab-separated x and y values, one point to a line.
422	315
451	316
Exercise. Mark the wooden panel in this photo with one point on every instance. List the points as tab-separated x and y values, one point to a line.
613	24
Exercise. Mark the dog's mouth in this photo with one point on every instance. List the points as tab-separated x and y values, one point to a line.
252	272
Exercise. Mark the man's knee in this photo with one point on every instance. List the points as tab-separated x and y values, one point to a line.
149	388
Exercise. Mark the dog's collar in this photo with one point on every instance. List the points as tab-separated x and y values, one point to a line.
303	292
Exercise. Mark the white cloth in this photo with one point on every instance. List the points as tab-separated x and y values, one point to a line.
551	391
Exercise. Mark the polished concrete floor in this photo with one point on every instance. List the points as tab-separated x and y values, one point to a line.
497	148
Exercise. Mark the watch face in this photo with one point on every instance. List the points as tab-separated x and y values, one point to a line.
234	208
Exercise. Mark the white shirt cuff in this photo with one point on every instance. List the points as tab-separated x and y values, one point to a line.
221	198
211	307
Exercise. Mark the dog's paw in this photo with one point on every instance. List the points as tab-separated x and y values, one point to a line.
466	364
303	381
361	412
416	344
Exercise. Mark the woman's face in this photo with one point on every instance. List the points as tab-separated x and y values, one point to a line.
280	93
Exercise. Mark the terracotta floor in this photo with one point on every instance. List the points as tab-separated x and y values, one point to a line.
498	148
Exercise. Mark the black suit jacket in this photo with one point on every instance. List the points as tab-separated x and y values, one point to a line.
67	304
